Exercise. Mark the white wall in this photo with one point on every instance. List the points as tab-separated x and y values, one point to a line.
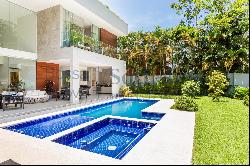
90	59
17	54
94	59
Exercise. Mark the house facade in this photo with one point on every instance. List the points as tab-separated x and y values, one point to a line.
70	42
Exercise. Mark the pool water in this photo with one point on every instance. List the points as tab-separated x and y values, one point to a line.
124	108
48	126
110	137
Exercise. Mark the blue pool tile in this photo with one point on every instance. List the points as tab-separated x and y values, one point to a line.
111	139
44	127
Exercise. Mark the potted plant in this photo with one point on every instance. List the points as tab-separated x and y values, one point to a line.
49	87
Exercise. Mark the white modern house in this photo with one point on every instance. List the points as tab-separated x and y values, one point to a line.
70	42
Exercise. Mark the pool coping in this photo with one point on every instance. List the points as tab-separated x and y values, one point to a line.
141	154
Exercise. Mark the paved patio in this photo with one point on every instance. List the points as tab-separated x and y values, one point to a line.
51	106
169	142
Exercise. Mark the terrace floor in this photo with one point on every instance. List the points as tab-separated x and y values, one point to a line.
51	106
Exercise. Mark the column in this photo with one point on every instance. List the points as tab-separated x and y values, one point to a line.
118	78
74	80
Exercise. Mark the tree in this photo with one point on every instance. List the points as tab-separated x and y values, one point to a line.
223	33
218	41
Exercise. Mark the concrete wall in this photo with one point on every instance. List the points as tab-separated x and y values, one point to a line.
48	30
236	79
240	79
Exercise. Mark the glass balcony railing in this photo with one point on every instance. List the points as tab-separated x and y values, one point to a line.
90	44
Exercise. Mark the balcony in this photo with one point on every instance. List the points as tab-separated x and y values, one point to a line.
77	39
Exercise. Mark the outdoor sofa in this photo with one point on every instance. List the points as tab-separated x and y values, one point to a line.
35	96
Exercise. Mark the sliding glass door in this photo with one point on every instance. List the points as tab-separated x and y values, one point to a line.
17	74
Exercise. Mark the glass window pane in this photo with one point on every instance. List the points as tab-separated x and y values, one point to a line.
22	74
17	27
4	23
23	27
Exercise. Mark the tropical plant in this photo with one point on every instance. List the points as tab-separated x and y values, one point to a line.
217	83
185	103
223	32
198	45
125	91
146	52
190	88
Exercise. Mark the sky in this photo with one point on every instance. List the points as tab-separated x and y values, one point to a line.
144	14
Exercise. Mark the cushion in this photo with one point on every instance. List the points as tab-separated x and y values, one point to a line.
41	93
19	94
8	93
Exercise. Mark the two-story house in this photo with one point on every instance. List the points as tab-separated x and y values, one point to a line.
69	42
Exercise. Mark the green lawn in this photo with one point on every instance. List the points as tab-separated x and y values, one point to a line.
221	132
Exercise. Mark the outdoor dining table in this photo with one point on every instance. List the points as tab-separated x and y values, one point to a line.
11	98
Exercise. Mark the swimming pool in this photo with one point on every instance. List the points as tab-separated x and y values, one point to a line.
45	127
110	137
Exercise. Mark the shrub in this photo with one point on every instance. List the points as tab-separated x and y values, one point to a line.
191	88
125	91
170	86
240	92
230	91
217	83
246	100
185	103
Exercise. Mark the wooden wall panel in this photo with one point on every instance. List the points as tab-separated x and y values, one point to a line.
40	75
47	71
108	38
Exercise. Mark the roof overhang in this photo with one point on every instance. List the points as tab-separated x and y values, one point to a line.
17	54
93	10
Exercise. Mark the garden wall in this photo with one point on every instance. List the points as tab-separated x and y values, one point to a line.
240	79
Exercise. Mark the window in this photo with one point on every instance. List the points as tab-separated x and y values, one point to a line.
17	27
